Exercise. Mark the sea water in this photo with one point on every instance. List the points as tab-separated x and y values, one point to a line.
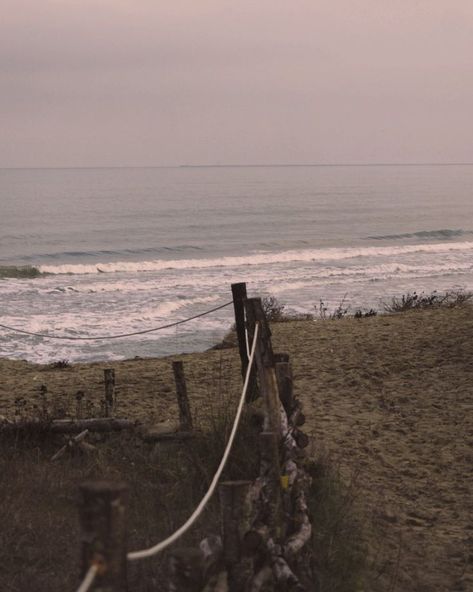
118	250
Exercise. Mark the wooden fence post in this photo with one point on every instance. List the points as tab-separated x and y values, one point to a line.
185	417
239	297
109	380
103	521
284	378
265	365
236	522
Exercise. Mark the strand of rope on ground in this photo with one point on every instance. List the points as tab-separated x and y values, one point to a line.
119	336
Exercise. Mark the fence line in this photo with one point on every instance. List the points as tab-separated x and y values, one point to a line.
265	523
119	336
199	509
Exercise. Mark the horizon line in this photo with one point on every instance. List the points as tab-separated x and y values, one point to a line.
234	165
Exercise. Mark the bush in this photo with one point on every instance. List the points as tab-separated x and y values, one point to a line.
360	314
422	301
339	312
275	312
273	309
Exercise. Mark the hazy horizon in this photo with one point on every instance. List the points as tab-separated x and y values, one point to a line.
248	165
122	84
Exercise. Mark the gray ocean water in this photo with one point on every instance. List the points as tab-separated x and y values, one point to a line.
121	250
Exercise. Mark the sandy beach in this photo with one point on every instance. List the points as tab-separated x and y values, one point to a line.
388	400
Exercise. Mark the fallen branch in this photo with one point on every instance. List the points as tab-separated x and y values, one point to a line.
70	426
70	444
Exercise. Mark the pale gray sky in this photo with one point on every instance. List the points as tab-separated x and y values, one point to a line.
153	82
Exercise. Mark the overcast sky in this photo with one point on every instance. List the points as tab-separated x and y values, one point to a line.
154	82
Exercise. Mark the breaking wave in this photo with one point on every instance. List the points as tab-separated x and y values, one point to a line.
303	256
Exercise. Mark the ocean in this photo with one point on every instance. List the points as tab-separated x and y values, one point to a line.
99	252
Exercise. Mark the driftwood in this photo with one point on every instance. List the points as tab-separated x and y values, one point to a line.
165	432
74	443
169	437
298	539
297	417
93	425
261	579
70	426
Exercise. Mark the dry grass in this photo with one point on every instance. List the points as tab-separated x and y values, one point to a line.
40	536
389	398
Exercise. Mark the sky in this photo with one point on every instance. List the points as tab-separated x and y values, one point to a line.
161	83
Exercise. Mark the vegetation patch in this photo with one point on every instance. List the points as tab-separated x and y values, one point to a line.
415	301
338	551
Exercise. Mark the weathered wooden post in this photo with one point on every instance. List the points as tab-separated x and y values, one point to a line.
103	521
185	417
239	297
284	379
236	522
265	364
109	381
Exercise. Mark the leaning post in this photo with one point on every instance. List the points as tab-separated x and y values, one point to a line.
268	383
239	297
103	522
236	511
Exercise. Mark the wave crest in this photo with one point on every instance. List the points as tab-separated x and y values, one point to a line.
303	256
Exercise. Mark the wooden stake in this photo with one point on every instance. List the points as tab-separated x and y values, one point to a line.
109	380
185	417
239	297
284	378
236	521
103	521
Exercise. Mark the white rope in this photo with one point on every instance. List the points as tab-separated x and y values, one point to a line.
203	502
88	579
247	343
120	335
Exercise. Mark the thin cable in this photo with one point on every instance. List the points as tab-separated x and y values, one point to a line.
197	316
88	579
203	502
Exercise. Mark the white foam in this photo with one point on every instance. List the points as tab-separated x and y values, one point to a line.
330	254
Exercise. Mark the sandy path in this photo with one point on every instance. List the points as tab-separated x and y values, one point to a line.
391	398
